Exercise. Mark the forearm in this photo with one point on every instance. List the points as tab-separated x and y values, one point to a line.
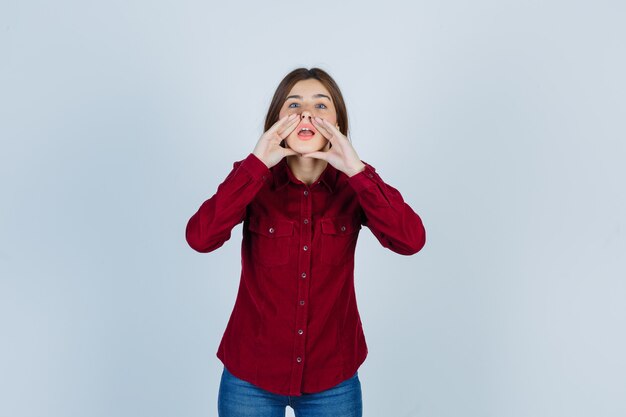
393	222
210	227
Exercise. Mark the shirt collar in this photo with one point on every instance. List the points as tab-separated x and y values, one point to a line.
282	175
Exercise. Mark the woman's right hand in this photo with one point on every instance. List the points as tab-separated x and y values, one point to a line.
268	147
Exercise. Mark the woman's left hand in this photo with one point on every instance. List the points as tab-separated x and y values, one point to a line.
341	155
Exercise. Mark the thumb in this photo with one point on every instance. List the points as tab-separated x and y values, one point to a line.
317	154
289	152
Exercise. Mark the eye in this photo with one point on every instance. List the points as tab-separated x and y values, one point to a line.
293	105
322	106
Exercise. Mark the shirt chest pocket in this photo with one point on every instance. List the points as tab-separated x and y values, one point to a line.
270	240
338	239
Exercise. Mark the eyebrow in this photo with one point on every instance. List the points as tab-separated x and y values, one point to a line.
314	96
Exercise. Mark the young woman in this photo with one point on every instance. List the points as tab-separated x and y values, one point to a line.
295	337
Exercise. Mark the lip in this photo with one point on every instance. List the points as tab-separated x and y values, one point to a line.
308	126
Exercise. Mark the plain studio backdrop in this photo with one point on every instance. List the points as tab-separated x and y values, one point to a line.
502	123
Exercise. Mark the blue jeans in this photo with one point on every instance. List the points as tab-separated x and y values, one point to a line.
238	398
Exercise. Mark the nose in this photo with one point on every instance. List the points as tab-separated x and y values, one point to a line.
305	114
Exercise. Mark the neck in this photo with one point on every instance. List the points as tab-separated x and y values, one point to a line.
306	170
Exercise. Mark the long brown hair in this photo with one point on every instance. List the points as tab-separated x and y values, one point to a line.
300	74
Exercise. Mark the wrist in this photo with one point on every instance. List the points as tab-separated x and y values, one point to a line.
261	159
355	171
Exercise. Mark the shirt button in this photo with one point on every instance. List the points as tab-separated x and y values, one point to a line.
343	228
303	275
306	221
370	175
300	331
305	247
299	359
271	230
306	193
301	302
263	177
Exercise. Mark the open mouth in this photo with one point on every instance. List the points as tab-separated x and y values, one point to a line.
306	131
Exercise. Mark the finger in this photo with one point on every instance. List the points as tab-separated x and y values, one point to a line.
317	155
280	123
322	129
286	131
330	127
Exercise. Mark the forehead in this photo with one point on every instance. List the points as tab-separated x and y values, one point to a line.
308	88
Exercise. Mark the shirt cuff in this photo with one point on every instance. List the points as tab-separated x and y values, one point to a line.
256	168
364	179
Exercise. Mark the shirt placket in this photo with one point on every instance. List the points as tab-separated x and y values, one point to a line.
304	277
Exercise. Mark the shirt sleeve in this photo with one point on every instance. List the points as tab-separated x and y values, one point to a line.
393	222
212	224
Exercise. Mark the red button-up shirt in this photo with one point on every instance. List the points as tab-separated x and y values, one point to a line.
295	327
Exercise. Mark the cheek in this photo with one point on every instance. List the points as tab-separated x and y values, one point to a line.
287	111
329	115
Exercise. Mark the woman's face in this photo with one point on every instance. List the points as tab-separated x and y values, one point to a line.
308	98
